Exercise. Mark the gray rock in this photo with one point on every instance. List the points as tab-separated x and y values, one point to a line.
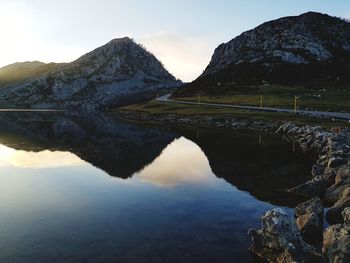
317	169
343	174
337	191
336	241
309	218
346	216
280	240
336	162
334	214
313	205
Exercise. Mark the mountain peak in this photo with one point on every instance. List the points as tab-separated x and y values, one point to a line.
122	40
308	49
314	14
116	73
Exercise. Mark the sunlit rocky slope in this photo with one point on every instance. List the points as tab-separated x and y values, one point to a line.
117	73
20	72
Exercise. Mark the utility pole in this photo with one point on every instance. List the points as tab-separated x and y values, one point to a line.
261	101
295	103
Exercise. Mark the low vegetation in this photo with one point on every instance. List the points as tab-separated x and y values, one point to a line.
158	107
323	99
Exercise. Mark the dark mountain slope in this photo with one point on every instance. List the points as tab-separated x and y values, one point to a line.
311	49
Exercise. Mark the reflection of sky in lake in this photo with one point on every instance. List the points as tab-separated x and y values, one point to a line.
181	162
55	207
43	159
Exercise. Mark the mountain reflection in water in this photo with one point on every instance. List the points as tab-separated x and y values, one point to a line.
184	195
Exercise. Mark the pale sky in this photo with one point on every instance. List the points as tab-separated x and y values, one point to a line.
181	33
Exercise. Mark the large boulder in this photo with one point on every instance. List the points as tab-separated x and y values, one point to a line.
336	244
336	192
338	195
280	240
309	218
343	174
334	214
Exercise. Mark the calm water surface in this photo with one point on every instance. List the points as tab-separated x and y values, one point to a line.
102	190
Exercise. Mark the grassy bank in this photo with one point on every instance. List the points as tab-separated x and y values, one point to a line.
157	107
325	99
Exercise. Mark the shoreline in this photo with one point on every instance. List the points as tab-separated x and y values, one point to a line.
202	120
285	239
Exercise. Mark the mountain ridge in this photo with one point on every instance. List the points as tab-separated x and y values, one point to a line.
310	49
20	72
118	72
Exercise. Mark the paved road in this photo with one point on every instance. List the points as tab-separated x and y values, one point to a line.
318	114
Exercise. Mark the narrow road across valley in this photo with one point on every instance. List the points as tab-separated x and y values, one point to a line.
318	114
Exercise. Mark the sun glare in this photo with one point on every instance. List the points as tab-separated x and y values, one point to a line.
15	34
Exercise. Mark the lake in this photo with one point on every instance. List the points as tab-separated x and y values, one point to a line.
98	189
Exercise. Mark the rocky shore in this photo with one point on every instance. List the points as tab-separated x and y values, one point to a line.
202	120
283	238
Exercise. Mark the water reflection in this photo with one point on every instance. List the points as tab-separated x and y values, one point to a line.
98	189
43	159
118	148
261	164
181	162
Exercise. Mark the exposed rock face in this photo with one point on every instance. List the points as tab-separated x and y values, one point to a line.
280	240
336	245
339	195
309	218
333	215
119	72
311	48
301	39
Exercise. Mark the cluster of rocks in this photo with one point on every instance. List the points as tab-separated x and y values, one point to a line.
281	240
286	239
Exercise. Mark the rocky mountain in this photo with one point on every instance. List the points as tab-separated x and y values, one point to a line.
117	73
23	71
310	49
